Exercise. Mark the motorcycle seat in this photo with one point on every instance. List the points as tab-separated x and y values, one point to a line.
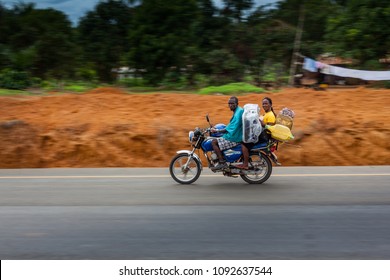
260	145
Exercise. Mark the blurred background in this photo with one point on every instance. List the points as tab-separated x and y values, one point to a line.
121	83
185	44
153	69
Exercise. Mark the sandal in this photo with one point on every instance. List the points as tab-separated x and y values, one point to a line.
241	166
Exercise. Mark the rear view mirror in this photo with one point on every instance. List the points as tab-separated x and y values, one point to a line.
208	120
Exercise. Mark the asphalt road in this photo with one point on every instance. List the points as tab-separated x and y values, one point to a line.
141	213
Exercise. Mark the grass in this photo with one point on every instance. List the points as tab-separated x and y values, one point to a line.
79	87
67	86
233	88
13	92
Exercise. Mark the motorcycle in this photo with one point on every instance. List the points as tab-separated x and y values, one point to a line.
186	166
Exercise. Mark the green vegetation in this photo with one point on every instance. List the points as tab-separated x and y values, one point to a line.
184	44
60	85
232	88
13	92
76	88
13	79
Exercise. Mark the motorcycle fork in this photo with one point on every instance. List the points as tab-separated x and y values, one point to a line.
190	157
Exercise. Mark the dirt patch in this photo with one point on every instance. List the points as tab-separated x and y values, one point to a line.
107	127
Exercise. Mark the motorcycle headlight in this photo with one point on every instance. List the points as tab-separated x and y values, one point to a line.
191	136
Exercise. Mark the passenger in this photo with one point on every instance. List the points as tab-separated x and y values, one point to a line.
269	118
232	133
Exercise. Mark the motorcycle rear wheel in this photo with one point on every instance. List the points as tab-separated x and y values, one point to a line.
181	174
263	164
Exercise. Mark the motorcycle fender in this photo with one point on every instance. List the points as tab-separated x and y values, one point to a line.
189	152
270	156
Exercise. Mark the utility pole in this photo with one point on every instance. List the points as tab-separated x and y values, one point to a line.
297	44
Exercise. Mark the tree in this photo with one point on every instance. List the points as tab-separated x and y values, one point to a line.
360	30
236	8
271	37
177	39
39	41
315	13
162	35
103	35
5	32
207	26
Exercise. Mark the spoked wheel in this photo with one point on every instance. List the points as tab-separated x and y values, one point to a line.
260	169
185	169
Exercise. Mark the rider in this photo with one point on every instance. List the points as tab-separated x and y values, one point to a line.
269	118
232	133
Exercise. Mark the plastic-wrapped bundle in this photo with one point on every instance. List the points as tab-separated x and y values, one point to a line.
251	126
287	112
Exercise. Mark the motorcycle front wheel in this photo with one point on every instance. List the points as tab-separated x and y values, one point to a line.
182	173
262	167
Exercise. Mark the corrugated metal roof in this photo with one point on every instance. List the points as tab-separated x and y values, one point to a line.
333	60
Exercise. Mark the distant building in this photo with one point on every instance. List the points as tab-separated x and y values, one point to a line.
331	59
385	60
123	73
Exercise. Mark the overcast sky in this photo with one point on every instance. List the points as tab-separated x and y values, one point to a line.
77	8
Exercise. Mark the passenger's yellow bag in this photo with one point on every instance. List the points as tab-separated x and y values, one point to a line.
280	132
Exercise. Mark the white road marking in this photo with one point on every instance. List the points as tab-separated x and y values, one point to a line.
167	176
